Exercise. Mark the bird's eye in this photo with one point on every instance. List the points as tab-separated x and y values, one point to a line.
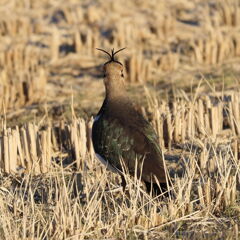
122	75
104	75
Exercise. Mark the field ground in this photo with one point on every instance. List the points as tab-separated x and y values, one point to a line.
182	68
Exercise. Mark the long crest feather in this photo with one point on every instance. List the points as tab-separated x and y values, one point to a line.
104	52
112	53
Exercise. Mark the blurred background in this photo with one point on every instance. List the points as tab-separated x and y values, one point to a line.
48	56
182	66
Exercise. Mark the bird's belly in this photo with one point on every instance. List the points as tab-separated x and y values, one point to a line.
106	163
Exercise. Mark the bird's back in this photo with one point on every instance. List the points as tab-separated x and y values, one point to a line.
121	132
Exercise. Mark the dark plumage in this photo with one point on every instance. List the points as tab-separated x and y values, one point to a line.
121	132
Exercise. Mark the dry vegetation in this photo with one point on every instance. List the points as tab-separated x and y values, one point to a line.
182	64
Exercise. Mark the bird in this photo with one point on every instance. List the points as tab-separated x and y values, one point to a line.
121	135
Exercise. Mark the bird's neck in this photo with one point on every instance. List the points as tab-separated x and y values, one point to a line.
115	92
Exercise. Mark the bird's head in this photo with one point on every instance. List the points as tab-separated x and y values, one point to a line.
113	73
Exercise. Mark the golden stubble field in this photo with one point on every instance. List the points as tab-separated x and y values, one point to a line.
182	66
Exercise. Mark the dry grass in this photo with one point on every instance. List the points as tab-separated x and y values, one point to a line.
74	197
43	44
51	185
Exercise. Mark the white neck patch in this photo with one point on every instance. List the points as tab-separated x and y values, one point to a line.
97	117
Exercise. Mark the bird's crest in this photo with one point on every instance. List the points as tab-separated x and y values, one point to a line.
112	55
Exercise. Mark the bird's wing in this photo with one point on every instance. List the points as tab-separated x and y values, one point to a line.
146	141
116	140
111	141
147	130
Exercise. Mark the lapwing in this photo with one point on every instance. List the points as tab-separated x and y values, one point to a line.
121	135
